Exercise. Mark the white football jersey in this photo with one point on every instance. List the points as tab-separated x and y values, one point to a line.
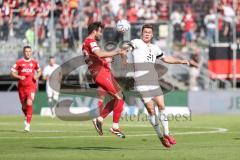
48	70
143	53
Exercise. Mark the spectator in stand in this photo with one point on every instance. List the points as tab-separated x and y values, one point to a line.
108	15
91	13
75	28
65	23
29	14
189	25
163	10
229	14
132	14
73	5
43	12
238	26
5	20
30	36
176	20
209	22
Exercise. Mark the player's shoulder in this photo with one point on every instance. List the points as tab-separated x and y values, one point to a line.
89	40
20	60
155	46
34	61
136	40
136	43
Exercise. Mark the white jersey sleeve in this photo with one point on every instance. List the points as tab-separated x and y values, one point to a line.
159	53
135	43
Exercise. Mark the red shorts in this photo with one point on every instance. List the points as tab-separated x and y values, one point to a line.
106	80
26	93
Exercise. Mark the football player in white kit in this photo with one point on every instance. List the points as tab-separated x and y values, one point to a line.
143	55
51	93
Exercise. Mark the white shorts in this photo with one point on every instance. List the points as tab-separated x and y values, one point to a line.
147	92
52	94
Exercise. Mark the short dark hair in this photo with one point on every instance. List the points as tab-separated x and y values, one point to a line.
147	26
94	27
51	57
25	47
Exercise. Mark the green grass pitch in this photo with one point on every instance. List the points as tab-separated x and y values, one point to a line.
201	138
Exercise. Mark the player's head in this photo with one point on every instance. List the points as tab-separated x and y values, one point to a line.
147	33
27	52
96	29
51	60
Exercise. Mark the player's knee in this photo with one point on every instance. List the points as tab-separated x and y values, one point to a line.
24	106
161	107
119	95
151	112
29	102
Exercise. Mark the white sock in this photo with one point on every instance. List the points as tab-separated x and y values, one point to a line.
164	121
115	126
154	122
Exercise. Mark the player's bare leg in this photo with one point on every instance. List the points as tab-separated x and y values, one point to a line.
163	118
117	111
101	96
115	105
153	119
28	115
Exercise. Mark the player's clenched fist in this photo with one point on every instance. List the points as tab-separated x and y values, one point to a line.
22	78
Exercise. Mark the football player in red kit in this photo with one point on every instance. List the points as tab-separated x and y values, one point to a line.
103	77
24	70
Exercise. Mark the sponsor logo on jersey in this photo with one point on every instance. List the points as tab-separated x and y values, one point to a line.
26	70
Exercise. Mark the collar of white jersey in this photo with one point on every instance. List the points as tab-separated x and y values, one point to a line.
147	44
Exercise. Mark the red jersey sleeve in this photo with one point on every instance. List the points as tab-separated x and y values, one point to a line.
93	45
15	67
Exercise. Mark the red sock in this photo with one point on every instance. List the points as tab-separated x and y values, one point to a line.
29	113
24	111
117	111
100	106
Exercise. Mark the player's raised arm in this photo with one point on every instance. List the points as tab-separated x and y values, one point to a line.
101	53
173	60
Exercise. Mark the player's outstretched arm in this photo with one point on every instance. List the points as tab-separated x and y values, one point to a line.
172	60
101	53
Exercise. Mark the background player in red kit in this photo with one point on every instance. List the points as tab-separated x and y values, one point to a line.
24	70
101	73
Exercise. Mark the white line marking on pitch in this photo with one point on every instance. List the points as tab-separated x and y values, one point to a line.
216	130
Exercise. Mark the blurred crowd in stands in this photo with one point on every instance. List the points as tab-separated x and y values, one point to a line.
191	22
190	19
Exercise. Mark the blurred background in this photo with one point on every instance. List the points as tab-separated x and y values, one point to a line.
206	31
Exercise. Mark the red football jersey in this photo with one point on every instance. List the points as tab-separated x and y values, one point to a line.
26	68
94	62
